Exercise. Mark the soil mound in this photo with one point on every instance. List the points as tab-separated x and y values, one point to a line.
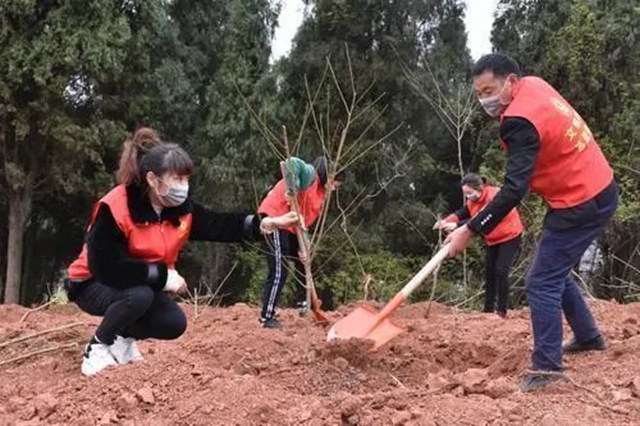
450	368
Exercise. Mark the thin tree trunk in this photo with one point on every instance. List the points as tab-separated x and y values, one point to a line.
19	212
215	275
461	165
2	151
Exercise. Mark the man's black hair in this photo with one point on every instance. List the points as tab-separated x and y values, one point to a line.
499	64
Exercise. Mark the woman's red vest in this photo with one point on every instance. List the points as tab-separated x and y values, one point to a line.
310	202
151	242
510	227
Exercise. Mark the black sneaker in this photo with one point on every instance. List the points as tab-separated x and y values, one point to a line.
532	381
271	323
573	346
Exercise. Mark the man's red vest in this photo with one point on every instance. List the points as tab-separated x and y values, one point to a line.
570	169
510	227
149	242
310	202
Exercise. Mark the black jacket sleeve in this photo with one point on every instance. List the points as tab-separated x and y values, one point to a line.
523	145
463	215
223	227
109	259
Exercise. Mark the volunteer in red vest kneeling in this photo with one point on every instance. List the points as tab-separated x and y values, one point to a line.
312	184
551	150
126	270
503	242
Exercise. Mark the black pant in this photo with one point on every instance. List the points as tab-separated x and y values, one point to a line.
136	312
280	247
499	259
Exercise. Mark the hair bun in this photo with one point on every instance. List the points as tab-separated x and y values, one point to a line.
145	138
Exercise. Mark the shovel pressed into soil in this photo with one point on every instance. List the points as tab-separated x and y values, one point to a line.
365	323
313	301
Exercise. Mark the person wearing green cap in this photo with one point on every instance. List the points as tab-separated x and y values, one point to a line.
309	184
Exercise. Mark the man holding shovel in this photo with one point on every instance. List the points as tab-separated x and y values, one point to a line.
304	189
551	150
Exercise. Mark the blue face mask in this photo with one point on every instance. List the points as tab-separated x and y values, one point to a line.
175	196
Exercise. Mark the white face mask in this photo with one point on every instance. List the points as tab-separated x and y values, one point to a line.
473	197
175	196
494	104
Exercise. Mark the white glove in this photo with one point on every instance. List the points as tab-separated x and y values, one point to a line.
267	226
175	282
270	224
445	226
450	227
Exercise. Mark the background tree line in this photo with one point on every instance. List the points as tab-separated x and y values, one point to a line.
77	76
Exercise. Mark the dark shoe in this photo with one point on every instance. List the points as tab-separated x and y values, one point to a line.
271	323
537	380
502	314
595	344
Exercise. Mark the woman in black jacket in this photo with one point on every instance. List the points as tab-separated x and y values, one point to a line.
126	271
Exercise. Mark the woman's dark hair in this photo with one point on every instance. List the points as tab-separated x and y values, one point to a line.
474	180
499	64
321	165
145	152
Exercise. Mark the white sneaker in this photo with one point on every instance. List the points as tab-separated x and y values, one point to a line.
96	357
125	350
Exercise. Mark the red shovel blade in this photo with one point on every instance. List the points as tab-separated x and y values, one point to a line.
361	323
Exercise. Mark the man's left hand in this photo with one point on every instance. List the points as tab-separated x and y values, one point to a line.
458	240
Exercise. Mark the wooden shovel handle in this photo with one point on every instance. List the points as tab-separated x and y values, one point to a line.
422	275
406	291
313	301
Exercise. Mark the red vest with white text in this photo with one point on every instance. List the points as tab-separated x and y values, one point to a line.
570	168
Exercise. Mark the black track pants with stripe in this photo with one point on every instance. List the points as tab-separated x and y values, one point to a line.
281	248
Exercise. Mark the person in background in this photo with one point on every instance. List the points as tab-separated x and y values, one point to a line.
126	271
551	150
503	242
311	183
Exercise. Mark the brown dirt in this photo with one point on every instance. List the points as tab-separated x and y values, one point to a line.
450	368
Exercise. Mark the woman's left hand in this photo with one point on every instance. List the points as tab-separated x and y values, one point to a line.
288	220
449	227
270	224
182	290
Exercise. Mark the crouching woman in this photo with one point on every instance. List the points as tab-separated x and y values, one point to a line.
126	271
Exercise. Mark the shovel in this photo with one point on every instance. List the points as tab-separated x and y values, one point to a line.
365	323
313	301
312	297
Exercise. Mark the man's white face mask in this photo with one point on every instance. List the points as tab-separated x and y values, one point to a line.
493	105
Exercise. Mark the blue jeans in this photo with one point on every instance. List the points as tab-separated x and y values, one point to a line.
550	288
